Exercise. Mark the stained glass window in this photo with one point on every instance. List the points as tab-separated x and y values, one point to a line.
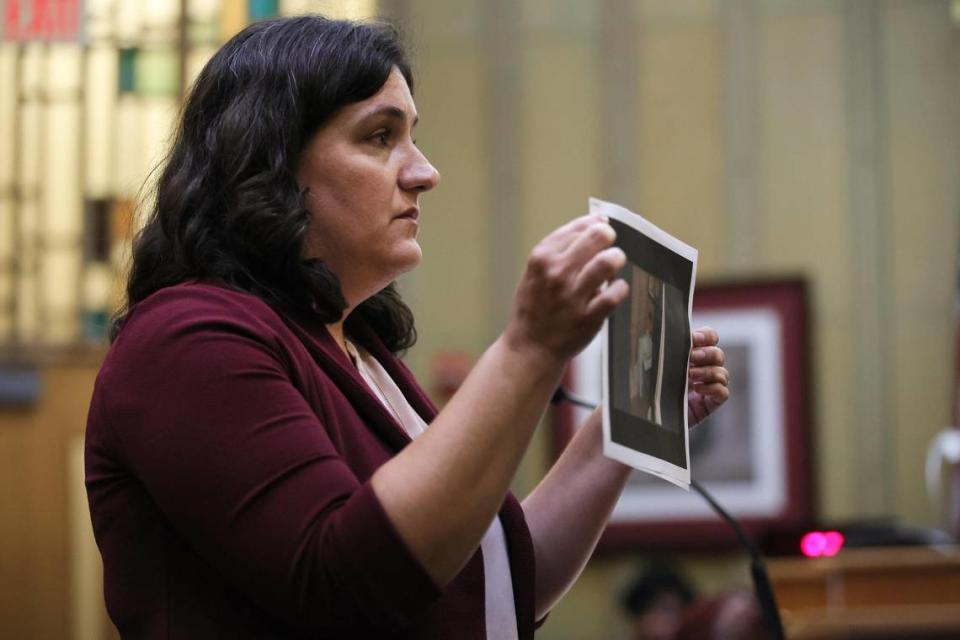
88	111
342	9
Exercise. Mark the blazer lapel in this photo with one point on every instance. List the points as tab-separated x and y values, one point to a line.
335	363
398	371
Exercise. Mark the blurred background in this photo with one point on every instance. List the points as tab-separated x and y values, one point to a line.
816	140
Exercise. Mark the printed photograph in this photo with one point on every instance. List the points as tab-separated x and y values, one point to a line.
646	347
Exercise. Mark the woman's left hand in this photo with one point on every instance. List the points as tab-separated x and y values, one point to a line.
708	380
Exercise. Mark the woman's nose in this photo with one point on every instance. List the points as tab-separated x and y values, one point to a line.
419	174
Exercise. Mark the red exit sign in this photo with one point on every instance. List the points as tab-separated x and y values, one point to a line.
46	20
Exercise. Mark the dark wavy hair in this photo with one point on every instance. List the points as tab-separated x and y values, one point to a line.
228	206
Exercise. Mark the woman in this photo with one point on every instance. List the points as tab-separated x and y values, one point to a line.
258	463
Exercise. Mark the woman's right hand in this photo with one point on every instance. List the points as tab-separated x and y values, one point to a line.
561	300
443	490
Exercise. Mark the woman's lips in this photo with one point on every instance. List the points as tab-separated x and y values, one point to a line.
410	214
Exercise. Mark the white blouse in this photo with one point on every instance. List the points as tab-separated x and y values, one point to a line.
499	609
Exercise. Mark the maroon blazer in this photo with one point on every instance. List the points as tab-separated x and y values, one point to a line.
228	457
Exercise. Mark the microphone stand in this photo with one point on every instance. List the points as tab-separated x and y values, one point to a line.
766	598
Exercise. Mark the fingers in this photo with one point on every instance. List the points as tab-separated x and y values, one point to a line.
592	240
601	268
571	246
608	298
560	238
705	337
708	375
549	257
709	379
715	393
707	356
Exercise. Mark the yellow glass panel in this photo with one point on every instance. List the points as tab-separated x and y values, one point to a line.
340	9
196	59
99	115
6	315
8	110
63	65
159	119
31	69
118	293
60	296
203	10
128	172
28	215
97	286
233	18
144	127
204	23
160	21
6	233
6	274
30	131
295	7
98	19
128	20
161	13
63	201
26	320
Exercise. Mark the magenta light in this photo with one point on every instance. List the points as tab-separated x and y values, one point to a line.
813	544
816	544
833	542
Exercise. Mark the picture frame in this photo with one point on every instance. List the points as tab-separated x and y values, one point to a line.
753	455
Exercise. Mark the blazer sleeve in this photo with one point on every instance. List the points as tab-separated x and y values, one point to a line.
201	401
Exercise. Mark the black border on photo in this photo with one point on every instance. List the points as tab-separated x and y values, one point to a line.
666	441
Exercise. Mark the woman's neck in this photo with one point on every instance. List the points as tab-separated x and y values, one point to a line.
336	332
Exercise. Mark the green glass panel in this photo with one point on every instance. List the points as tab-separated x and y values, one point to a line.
128	70
96	325
260	9
158	71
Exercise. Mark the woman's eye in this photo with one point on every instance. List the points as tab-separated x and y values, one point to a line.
381	137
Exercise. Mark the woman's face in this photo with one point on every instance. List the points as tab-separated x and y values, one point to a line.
364	174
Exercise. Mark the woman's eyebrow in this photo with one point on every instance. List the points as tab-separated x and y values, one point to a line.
390	111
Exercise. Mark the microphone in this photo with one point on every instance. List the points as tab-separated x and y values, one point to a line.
562	395
769	612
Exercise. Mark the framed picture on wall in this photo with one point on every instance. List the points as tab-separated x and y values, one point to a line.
753	454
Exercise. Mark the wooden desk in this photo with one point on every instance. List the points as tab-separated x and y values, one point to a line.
897	592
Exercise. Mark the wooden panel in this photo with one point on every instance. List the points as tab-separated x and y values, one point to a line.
801	594
35	562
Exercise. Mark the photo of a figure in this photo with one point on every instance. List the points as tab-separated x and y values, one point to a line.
651	354
646	345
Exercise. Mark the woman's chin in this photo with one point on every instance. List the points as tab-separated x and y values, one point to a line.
410	257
